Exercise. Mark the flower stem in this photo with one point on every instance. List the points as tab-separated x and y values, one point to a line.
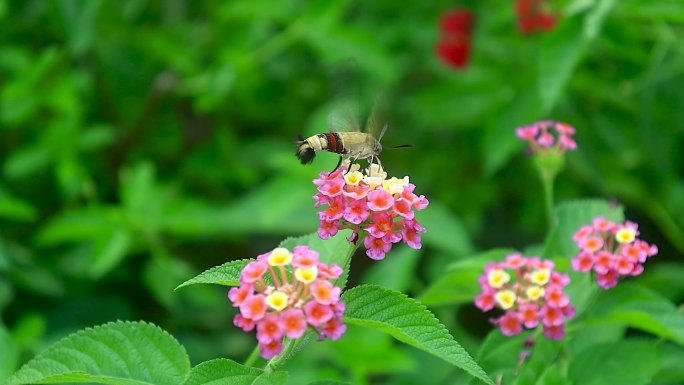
252	357
547	182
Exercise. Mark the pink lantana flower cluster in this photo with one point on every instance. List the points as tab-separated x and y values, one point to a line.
529	292
541	138
369	201
282	293
611	250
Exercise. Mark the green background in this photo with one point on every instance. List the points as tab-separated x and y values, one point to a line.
143	142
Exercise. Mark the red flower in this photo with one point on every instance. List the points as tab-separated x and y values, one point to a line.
533	16
454	46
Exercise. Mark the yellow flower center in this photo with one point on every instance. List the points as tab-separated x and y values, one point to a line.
277	300
497	278
306	274
353	178
535	292
280	257
505	299
540	277
625	235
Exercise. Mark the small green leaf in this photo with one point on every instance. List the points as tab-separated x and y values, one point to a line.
459	283
227	274
627	362
334	250
227	372
117	353
570	216
408	321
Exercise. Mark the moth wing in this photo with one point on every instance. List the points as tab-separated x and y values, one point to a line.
377	118
343	112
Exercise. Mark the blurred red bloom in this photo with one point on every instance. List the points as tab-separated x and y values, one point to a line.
454	45
533	16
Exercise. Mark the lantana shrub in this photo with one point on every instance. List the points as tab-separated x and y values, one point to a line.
297	289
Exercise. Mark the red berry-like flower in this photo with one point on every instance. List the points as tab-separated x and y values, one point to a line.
369	201
454	45
296	294
529	292
611	250
533	16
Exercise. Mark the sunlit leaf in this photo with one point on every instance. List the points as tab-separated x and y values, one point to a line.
119	353
408	321
629	362
227	372
641	309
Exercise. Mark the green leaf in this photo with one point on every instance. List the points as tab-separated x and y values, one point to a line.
444	230
227	274
570	216
227	372
459	283
117	353
408	321
329	382
397	272
9	354
563	49
560	53
671	368
15	208
639	308
627	362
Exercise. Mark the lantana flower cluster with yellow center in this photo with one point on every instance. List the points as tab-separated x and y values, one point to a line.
369	201
611	250
529	292
282	293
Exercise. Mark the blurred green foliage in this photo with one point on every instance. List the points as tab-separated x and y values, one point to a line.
143	142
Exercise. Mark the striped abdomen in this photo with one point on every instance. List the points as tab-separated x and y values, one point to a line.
357	145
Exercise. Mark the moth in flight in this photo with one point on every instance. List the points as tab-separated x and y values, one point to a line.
345	135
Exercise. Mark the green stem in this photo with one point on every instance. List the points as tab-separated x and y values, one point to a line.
252	357
547	182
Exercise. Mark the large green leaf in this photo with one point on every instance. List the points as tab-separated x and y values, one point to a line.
570	216
227	372
117	353
408	321
628	362
639	308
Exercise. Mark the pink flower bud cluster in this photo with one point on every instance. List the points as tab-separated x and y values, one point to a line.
540	137
529	292
611	250
369	201
282	293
